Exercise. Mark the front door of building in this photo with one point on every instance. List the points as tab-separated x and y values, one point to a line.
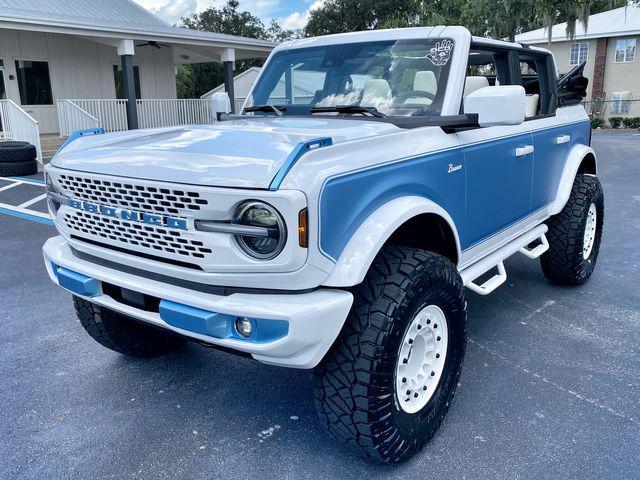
36	95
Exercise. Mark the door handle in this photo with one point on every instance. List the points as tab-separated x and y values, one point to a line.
563	139
526	150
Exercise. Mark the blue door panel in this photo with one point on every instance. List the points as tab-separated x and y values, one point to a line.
346	201
498	186
550	159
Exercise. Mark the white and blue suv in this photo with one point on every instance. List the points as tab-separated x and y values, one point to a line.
335	223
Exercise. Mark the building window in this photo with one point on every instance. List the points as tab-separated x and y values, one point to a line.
579	53
3	92
620	102
34	83
626	51
119	79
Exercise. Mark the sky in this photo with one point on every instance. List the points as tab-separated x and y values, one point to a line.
291	14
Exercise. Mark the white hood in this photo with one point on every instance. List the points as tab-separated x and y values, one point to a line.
246	153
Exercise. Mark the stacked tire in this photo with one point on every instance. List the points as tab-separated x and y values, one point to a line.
17	159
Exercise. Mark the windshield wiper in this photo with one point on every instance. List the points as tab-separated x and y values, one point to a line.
277	109
349	109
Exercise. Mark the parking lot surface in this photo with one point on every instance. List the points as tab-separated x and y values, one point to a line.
550	386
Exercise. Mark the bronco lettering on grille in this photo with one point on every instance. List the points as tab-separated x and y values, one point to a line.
130	215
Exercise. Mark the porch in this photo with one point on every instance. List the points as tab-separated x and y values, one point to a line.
112	67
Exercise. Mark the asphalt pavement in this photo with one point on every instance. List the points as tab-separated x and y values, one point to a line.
550	386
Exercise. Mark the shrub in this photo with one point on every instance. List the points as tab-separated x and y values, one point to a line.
615	122
597	122
631	122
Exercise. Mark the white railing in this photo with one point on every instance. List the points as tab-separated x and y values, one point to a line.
19	125
110	114
72	117
167	113
238	103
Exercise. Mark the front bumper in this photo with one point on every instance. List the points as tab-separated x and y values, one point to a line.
313	319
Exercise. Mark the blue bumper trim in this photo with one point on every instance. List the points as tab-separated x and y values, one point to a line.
295	155
219	325
76	282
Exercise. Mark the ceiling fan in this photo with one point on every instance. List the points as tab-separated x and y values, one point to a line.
154	44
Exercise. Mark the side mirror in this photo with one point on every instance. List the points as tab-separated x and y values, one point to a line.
220	104
503	105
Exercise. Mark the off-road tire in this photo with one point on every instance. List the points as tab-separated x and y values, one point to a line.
18	169
354	386
122	334
564	262
15	152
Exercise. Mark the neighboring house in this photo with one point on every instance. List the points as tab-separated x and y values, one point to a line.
610	47
306	85
242	85
108	63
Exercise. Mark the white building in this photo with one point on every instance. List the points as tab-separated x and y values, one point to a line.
69	64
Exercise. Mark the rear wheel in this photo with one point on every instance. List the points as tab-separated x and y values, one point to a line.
387	383
122	334
575	233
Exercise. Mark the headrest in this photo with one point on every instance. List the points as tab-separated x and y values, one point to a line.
425	81
531	105
376	91
473	83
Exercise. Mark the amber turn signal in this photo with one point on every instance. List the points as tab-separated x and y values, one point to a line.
303	229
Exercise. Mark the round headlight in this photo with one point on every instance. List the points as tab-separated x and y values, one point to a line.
270	243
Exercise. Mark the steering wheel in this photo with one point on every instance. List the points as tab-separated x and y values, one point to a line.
416	94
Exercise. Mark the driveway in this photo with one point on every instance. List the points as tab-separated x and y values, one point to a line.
550	386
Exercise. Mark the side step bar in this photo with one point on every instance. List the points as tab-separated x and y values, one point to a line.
496	260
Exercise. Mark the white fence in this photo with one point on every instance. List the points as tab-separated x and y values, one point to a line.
111	114
19	125
72	117
166	113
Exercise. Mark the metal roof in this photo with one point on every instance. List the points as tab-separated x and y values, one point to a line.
114	18
613	23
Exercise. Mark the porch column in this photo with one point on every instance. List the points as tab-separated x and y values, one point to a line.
126	50
228	58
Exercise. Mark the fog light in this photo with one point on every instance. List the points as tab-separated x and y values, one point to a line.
244	327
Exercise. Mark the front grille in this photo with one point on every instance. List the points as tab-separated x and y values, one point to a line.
128	195
135	234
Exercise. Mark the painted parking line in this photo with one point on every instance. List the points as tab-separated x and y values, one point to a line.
26	216
32	181
22	211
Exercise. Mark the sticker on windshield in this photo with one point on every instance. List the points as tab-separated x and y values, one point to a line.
441	53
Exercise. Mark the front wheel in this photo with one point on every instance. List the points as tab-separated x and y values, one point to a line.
574	234
122	334
387	383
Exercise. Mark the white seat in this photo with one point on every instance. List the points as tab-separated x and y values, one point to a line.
531	105
376	91
424	81
473	83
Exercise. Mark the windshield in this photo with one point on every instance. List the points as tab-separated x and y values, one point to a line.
396	78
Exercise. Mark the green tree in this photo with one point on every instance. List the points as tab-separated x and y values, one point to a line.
197	79
339	16
492	18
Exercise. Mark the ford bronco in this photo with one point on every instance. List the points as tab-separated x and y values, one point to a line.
335	223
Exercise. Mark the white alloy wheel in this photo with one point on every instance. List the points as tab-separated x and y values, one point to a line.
421	359
590	231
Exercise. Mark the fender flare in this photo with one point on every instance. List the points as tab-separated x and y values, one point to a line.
571	167
356	258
